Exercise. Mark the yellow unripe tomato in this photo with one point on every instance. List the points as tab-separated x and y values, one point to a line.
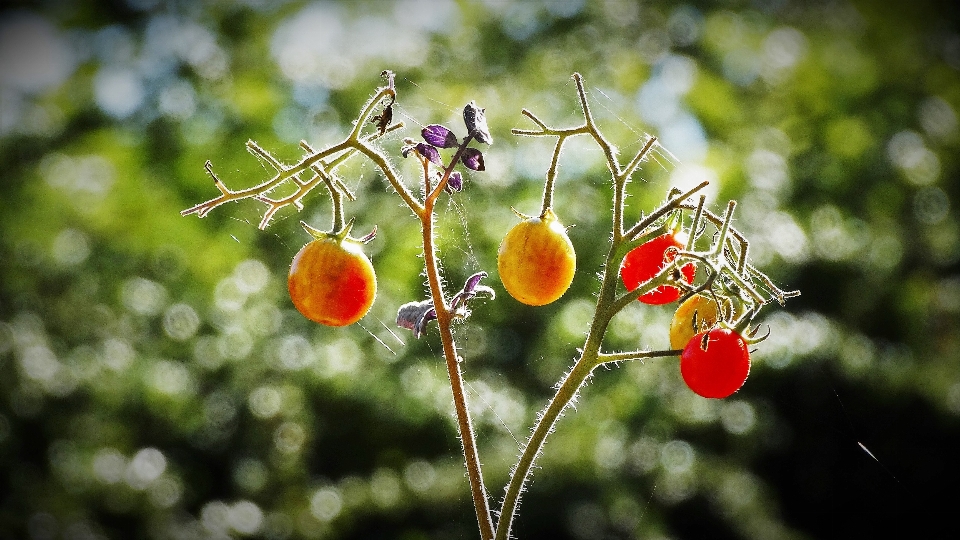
696	314
536	260
332	282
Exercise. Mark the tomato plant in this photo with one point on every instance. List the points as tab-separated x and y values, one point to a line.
646	260
696	314
332	282
715	364
536	260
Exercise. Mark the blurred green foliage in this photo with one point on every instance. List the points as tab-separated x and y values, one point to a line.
156	382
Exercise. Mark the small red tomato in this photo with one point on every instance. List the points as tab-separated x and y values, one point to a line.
646	260
332	282
716	363
536	260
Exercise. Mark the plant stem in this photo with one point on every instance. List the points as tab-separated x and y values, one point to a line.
608	305
434	192
547	203
636	355
464	424
565	394
336	200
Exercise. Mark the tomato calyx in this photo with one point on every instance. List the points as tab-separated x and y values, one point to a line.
341	236
750	336
547	216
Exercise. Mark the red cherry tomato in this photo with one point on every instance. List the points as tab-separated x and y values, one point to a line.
332	282
536	260
646	260
716	363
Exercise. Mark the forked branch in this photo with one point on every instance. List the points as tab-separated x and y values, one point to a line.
322	163
315	161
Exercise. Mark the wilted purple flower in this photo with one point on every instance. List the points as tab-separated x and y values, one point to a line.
476	121
472	159
471	289
439	136
367	237
415	316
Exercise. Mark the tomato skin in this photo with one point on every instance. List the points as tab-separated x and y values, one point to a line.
709	311
646	260
536	260
719	370
332	282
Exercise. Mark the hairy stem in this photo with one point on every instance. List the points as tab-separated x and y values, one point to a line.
464	424
317	161
590	358
620	186
435	191
381	162
552	176
607	305
566	393
337	201
636	355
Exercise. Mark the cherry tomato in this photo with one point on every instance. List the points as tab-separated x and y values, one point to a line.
715	364
646	260
536	260
696	314
332	282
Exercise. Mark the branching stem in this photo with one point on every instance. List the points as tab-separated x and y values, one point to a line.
636	355
726	257
467	438
337	153
445	317
566	393
608	304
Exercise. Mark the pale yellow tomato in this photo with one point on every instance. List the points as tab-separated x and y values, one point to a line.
536	260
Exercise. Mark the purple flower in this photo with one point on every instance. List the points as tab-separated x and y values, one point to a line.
471	289
414	316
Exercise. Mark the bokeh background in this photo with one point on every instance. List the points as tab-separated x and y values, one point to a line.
156	382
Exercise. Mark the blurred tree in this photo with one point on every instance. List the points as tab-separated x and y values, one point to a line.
156	382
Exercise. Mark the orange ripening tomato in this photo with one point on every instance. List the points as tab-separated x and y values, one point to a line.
536	260
646	261
697	314
332	282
